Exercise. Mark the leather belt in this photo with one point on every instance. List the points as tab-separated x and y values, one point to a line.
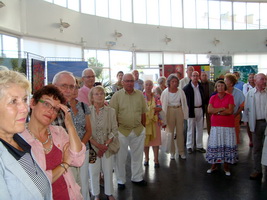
261	120
174	106
198	106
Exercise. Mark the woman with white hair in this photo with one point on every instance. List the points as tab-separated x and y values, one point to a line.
162	85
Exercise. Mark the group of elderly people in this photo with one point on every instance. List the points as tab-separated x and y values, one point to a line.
39	160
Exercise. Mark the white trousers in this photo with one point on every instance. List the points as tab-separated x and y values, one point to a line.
104	165
81	175
136	144
195	125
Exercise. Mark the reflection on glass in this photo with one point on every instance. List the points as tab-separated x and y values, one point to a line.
189	14
202	14
239	15
226	15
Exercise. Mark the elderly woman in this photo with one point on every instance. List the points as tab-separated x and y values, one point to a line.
162	85
153	135
104	131
239	99
55	149
222	146
20	175
118	85
80	115
175	107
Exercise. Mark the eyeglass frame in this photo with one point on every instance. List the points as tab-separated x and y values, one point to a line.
49	106
66	86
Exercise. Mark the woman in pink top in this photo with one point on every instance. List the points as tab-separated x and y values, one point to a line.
54	149
222	146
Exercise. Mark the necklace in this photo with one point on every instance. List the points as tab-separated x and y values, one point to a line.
49	137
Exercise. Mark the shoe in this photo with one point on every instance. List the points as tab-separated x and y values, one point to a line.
201	150
140	183
121	186
209	171
172	156
182	157
110	197
255	176
189	150
227	173
146	163
156	165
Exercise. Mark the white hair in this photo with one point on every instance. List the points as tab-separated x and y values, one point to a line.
57	76
87	69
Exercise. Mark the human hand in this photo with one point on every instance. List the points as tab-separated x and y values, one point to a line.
68	119
66	153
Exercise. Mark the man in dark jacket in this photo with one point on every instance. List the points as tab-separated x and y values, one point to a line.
195	100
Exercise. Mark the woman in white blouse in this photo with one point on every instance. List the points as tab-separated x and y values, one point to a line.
175	107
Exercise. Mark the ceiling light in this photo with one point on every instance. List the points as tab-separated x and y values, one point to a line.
167	39
63	25
117	35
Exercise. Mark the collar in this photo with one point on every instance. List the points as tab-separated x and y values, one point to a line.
193	86
134	91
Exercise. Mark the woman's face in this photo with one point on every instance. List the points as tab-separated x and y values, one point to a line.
173	83
148	86
163	83
13	109
46	110
228	82
98	96
119	77
220	87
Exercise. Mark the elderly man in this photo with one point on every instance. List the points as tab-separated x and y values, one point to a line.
255	105
186	80
138	83
130	109
88	78
208	88
195	100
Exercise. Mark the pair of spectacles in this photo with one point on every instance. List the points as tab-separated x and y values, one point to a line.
89	76
49	106
66	86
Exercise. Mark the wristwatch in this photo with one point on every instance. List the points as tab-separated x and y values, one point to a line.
219	113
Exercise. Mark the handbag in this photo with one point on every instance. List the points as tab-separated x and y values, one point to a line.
114	146
92	154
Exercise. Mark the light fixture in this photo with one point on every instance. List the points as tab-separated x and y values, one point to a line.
110	44
117	35
63	25
216	41
167	39
2	4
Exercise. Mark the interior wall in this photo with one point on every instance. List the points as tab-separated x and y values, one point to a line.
40	19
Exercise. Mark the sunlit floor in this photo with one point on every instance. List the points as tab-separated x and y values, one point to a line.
187	179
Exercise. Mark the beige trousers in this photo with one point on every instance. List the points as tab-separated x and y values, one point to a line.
175	122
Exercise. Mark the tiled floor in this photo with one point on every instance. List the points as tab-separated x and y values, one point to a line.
188	180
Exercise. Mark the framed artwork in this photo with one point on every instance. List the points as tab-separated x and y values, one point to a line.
244	71
38	74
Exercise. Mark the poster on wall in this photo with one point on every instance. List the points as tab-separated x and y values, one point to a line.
220	71
245	70
170	69
38	74
201	67
76	67
16	64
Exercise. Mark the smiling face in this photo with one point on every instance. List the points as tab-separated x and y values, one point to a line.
220	87
89	78
128	83
13	109
148	86
45	110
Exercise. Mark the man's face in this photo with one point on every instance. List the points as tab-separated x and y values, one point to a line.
190	71
66	84
89	78
195	77
260	81
128	83
204	77
136	75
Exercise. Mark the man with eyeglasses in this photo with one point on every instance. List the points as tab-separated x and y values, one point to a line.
65	82
88	78
130	107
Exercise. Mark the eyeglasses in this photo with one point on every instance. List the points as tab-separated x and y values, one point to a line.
66	86
89	76
49	106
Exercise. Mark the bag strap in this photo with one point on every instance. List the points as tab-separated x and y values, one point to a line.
83	107
90	146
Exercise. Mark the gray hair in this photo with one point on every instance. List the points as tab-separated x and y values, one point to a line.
87	69
170	77
161	79
3	68
57	76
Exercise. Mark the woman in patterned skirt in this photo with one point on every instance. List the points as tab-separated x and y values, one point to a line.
222	146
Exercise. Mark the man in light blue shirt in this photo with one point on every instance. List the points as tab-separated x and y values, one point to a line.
138	83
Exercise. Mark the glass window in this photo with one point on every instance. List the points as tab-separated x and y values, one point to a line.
74	5
102	8
214	14
139	9
191	59
253	16
149	74
189	14
226	15
114	9
202	59
173	58
10	46
88	6
155	59
142	60
202	14
164	13
62	3
153	12
263	16
176	13
239	10
126	12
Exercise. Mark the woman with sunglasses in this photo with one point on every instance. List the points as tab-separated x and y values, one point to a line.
55	150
